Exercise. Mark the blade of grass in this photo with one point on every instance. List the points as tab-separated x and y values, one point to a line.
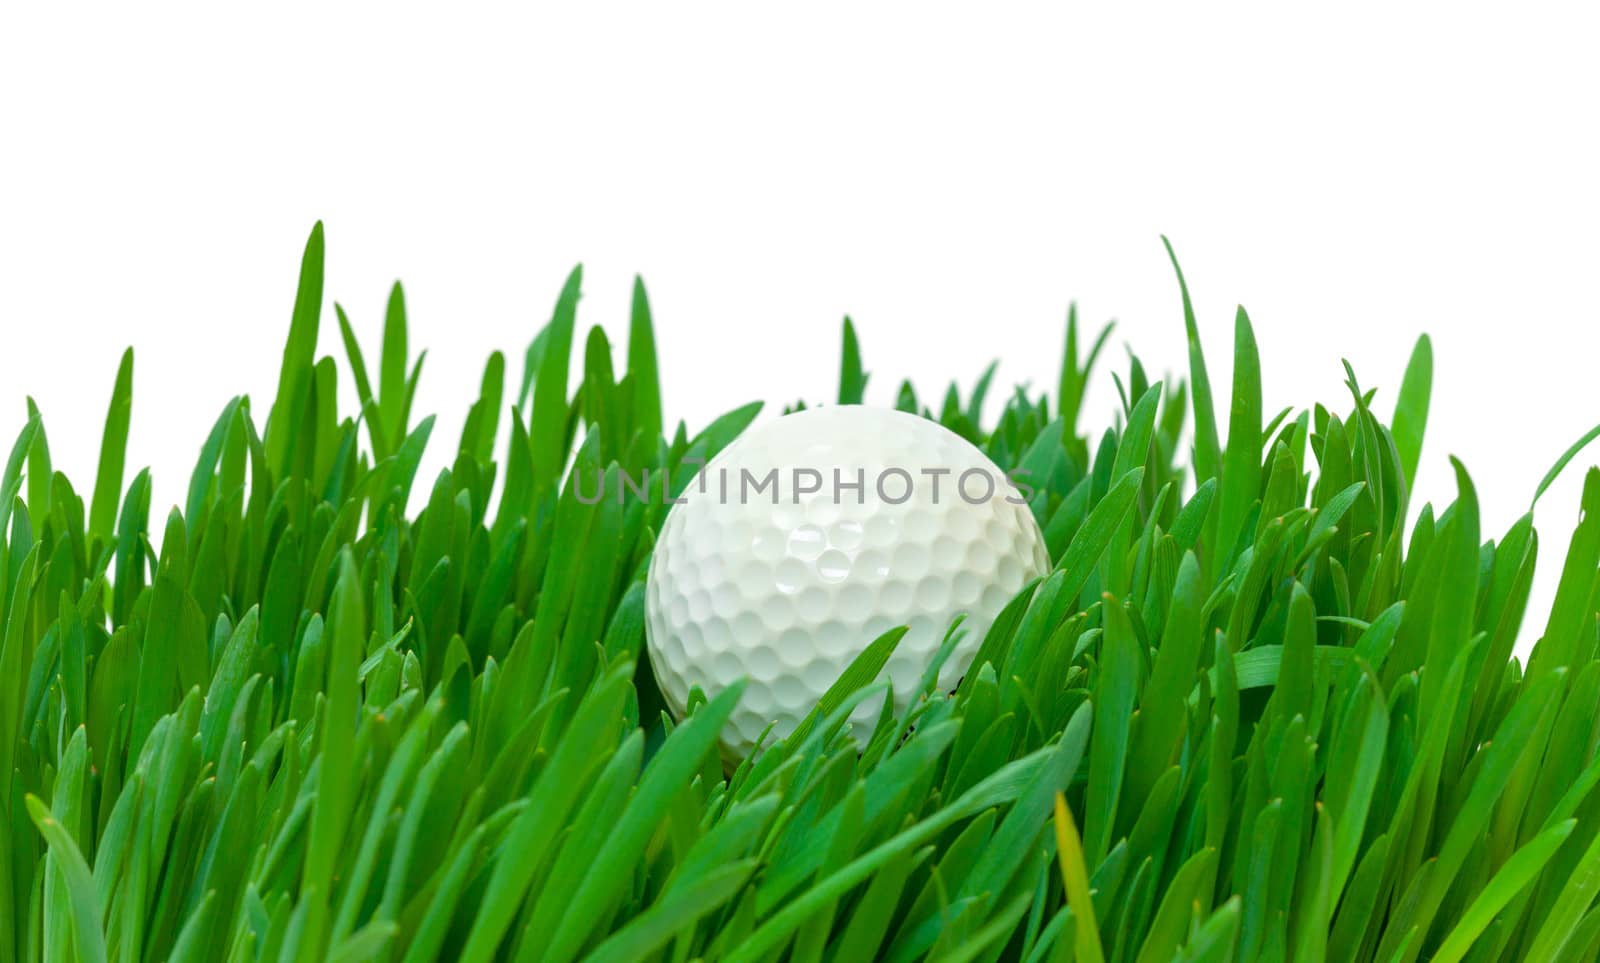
852	378
1241	469
1411	408
1510	879
1562	462
1207	448
113	453
1075	879
80	884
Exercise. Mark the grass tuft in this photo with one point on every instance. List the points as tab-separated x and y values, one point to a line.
1278	699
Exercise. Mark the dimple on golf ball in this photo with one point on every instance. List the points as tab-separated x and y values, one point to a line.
813	534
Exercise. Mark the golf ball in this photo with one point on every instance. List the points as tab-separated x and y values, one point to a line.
813	534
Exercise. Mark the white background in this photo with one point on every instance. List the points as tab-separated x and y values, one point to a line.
949	177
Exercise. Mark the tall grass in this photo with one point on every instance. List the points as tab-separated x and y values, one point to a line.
1264	708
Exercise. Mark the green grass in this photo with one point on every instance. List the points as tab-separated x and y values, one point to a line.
1264	708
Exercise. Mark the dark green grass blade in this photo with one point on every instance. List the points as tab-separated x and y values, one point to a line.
852	378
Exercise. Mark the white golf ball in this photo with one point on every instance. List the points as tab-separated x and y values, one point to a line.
776	567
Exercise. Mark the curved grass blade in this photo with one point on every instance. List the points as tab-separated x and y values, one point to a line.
675	763
1051	765
1561	463
1511	878
1075	878
680	909
90	940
